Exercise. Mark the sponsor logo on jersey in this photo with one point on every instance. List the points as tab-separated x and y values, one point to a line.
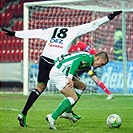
55	45
56	40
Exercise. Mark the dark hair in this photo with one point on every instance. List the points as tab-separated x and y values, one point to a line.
103	55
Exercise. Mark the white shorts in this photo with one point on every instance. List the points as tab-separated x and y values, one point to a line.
58	78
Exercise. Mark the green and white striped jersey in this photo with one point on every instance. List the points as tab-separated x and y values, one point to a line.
70	63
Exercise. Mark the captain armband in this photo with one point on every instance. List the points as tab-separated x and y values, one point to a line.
91	73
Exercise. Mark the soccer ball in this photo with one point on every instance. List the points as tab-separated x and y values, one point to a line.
114	121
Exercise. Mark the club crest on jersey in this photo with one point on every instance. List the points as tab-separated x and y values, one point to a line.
83	63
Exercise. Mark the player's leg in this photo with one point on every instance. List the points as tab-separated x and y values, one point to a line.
79	88
61	83
43	77
31	99
102	86
69	100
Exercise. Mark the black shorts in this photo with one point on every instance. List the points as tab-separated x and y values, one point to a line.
45	65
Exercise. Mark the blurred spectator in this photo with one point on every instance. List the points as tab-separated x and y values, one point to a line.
118	45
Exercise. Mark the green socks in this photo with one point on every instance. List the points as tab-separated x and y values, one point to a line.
70	108
61	108
65	105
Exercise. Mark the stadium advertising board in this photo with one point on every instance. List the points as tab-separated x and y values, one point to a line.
113	77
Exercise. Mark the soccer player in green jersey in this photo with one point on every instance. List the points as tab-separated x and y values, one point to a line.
62	73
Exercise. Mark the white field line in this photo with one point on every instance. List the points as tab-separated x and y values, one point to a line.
18	110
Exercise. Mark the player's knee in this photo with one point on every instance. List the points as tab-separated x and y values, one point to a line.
72	95
40	87
75	98
71	100
79	85
82	86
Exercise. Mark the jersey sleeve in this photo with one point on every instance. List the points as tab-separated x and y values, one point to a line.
37	33
83	46
92	26
80	62
73	68
80	46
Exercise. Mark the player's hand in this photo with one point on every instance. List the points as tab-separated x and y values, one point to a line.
70	82
112	15
8	32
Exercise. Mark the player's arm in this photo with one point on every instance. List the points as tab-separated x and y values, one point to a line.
75	65
85	47
97	80
73	70
97	23
37	33
78	62
76	76
93	25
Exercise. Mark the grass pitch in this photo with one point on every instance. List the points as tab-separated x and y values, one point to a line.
94	110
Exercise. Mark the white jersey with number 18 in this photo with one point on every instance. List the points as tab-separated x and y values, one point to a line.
60	39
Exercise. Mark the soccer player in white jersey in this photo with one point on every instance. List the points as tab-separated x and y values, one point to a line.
59	40
62	73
